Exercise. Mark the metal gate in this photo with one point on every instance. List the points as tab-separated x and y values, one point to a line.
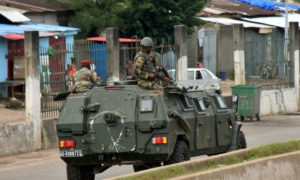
54	69
266	64
210	49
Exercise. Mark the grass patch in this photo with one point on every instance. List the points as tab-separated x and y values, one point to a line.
273	149
255	153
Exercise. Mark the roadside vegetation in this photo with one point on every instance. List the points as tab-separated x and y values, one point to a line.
252	154
135	17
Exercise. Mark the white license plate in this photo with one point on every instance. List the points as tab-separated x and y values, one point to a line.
70	153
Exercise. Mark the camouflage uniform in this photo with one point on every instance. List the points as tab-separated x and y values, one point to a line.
143	67
84	79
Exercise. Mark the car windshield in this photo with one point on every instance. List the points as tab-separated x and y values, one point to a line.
190	75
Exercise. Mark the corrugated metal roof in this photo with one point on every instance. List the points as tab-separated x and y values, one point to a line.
232	7
213	11
14	16
33	5
278	21
6	8
227	21
6	29
21	36
269	5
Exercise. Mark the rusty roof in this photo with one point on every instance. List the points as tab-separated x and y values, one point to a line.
37	5
220	7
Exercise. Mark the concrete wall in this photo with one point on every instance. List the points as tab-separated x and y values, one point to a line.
18	138
278	101
285	166
192	54
225	51
46	18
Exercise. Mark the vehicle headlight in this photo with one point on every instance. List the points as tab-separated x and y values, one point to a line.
146	105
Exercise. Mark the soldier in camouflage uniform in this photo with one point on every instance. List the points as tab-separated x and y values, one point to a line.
85	77
146	65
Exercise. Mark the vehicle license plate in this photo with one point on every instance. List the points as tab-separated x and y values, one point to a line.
70	153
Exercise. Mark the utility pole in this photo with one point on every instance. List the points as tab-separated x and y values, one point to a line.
32	88
113	55
286	32
181	52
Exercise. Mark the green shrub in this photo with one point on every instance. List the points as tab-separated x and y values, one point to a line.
14	104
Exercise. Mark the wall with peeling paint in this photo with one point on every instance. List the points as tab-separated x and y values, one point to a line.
278	101
18	138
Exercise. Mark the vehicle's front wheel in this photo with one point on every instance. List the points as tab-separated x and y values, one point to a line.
241	141
80	172
142	167
181	153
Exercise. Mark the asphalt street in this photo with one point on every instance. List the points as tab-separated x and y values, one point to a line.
46	165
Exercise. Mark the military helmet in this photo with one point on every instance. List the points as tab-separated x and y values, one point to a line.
147	42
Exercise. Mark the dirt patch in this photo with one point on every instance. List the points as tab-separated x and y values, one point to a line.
8	116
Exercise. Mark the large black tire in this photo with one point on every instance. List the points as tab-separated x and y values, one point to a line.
242	118
241	141
80	172
142	167
181	153
137	168
257	117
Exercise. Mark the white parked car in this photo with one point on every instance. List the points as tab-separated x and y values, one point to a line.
196	73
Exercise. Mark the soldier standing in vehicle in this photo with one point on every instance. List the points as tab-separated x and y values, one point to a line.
85	77
146	66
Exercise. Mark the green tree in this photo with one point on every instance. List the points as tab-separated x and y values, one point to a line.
92	16
154	18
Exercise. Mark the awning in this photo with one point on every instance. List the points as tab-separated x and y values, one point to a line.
123	40
21	36
228	21
6	29
14	16
278	21
13	36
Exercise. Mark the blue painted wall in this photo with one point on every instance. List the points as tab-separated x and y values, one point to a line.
98	54
44	62
3	65
44	45
69	47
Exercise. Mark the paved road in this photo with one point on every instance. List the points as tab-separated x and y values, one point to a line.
45	165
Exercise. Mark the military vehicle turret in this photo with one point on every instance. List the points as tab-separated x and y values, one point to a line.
126	124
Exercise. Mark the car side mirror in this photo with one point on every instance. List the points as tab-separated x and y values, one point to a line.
235	101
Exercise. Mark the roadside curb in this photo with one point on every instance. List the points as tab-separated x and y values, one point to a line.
278	167
197	163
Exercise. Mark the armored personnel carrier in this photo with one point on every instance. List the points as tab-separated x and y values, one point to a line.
126	124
